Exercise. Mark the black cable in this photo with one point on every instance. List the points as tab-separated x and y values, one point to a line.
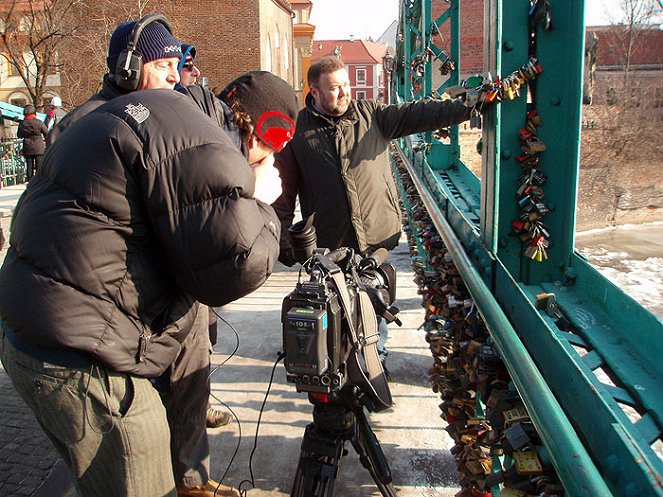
279	358
251	482
209	377
230	356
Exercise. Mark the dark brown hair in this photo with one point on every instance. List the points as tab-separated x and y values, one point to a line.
241	119
324	65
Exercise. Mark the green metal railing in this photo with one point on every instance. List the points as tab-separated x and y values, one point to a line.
12	162
594	390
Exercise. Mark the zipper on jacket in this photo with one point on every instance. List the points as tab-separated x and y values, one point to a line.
142	346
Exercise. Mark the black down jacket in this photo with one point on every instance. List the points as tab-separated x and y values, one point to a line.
142	207
109	90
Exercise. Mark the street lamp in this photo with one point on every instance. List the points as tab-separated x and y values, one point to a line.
388	67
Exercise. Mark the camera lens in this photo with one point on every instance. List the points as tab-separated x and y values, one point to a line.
303	239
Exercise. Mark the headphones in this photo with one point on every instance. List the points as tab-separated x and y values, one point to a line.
129	68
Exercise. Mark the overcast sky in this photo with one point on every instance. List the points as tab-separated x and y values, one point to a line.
340	19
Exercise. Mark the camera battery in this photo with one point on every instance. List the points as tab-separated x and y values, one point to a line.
305	339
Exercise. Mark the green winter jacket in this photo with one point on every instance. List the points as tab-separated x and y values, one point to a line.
340	169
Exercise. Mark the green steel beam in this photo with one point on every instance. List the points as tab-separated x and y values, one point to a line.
619	337
571	460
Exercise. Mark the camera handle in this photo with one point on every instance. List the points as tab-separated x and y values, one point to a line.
373	382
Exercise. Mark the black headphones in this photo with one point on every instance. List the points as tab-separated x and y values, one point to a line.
129	68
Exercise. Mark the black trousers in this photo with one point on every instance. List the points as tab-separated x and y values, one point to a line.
32	162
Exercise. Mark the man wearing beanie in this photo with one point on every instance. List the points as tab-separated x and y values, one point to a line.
189	448
161	53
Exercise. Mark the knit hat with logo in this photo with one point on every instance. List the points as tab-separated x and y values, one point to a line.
270	102
155	42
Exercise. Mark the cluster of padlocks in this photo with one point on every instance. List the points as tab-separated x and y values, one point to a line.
530	228
480	89
497	448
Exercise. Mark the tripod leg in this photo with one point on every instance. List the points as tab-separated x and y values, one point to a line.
370	454
318	465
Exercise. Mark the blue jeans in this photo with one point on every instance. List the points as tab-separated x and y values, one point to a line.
383	333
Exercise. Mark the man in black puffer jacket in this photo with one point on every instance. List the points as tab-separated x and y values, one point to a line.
131	221
185	386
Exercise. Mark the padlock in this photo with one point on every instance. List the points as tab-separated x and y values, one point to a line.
527	463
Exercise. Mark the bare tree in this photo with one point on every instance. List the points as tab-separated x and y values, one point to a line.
31	32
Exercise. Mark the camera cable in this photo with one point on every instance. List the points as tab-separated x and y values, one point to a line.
279	358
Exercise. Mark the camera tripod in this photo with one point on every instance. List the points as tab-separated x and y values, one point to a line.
323	448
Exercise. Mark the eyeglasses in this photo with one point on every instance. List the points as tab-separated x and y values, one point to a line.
188	65
274	136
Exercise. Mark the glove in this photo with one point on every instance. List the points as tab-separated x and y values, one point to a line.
287	256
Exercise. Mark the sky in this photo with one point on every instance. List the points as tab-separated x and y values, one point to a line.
340	19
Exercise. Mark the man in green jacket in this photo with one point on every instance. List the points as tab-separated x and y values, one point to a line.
338	164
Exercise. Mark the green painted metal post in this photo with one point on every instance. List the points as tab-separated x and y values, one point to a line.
556	94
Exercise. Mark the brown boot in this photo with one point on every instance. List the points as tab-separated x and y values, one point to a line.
211	489
216	418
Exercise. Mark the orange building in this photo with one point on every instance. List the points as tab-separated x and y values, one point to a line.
303	45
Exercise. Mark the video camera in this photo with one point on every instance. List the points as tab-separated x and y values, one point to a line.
330	321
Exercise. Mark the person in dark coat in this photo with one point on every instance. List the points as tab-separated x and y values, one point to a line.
338	164
258	110
152	213
131	222
34	133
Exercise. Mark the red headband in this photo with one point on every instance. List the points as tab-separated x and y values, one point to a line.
276	137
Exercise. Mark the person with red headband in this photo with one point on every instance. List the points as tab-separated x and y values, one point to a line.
264	110
261	121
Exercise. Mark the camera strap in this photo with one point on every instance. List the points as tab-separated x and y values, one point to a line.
364	365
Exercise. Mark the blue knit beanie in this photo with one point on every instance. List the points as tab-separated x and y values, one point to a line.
154	42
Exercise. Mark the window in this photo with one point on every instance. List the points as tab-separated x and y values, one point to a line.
361	95
18	102
268	54
361	76
12	70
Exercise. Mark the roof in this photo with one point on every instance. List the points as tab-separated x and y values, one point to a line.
352	52
612	40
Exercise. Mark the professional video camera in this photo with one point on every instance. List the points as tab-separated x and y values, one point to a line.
329	336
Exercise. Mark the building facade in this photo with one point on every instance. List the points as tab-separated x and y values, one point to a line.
303	33
633	80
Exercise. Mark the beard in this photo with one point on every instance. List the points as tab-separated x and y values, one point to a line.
337	109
